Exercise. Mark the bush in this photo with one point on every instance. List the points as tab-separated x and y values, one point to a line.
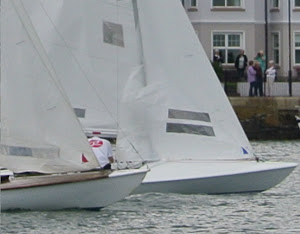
218	70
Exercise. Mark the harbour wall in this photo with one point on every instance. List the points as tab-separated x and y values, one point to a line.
268	118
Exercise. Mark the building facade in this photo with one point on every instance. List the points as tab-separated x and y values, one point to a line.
252	25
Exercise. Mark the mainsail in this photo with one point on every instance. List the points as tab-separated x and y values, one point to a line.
190	115
98	60
92	45
39	131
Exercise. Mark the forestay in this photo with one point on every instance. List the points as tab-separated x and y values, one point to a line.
39	131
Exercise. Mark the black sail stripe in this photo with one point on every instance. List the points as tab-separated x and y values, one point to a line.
19	151
190	129
42	152
188	115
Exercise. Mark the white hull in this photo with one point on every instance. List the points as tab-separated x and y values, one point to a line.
96	193
104	133
190	177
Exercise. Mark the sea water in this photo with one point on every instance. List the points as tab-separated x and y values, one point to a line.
274	211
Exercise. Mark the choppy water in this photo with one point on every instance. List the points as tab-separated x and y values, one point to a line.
274	211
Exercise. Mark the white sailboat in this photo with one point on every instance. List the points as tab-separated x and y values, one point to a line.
42	142
175	113
197	136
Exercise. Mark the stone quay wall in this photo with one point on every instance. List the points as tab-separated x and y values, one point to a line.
268	118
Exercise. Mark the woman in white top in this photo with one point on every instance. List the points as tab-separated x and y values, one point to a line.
271	74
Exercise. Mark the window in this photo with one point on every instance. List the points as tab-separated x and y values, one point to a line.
226	3
275	47
228	44
182	1
297	48
275	4
113	34
297	3
193	3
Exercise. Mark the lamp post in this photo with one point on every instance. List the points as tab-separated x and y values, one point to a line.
266	43
290	52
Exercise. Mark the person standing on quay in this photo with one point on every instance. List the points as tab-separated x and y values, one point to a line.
262	60
270	74
241	62
259	80
251	77
218	56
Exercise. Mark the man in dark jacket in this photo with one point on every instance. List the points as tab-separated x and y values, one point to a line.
241	63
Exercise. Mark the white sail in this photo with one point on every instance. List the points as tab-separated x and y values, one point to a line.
92	45
134	138
189	114
39	131
179	98
96	59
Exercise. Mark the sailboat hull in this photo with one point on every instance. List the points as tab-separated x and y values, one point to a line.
214	177
92	193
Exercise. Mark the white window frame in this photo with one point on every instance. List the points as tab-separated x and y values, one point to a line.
192	5
273	5
296	48
276	48
226	47
189	5
226	5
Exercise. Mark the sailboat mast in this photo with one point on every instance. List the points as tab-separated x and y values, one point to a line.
0	61
139	40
